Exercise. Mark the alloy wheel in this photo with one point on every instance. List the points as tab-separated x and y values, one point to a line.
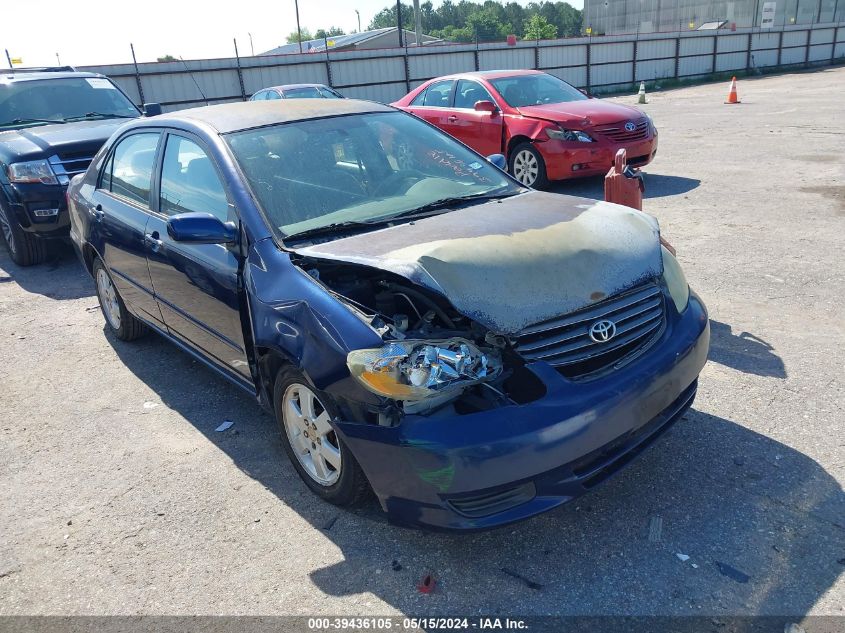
310	434
108	298
526	168
7	231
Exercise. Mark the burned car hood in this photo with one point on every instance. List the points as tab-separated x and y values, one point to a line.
511	263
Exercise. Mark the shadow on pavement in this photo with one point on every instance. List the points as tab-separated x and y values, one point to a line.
730	499
60	277
656	186
744	352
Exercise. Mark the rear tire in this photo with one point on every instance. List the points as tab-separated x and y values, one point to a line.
118	319
24	248
315	449
527	165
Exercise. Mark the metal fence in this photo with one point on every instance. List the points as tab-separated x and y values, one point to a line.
597	64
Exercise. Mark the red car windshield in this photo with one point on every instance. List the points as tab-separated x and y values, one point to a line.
526	90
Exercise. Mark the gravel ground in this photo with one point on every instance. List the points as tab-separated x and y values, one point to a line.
120	498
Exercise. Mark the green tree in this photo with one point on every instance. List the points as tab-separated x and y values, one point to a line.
387	17
323	33
486	26
538	28
463	20
167	58
293	38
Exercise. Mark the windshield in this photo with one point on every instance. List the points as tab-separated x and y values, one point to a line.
312	174
43	101
539	89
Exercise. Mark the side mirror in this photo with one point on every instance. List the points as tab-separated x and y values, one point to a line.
585	93
152	109
486	106
499	161
200	228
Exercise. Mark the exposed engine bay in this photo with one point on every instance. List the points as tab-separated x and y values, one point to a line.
435	360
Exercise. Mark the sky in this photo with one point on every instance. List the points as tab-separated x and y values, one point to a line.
97	32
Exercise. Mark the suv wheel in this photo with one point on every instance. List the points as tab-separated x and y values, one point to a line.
122	324
24	248
315	449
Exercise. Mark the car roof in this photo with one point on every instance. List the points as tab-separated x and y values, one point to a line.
233	117
491	74
14	77
293	86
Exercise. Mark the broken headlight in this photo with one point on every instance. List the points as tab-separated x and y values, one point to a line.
416	370
562	134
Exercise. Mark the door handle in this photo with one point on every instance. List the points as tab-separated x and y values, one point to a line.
152	240
452	119
98	213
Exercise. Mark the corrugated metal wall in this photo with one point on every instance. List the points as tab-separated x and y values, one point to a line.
598	63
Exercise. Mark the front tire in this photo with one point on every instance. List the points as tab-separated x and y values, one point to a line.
24	248
118	319
315	449
527	165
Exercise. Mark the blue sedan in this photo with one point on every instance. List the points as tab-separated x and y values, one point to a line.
422	326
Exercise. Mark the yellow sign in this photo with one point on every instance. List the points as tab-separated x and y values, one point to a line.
17	61
330	43
589	30
691	26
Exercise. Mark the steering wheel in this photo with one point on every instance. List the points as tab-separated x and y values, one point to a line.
397	182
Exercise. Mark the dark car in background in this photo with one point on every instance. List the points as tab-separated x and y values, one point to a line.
473	351
51	125
547	129
296	91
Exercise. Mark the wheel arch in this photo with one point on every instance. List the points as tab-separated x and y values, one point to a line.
269	361
516	141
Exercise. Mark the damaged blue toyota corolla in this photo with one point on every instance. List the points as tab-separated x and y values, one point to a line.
421	325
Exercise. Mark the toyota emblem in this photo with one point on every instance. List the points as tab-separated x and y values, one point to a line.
602	331
630	127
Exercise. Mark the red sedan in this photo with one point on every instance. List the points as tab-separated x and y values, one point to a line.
547	129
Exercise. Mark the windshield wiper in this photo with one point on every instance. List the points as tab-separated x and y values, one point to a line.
432	208
445	203
334	227
100	115
22	121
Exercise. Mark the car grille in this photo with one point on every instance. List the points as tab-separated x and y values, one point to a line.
619	134
565	343
68	165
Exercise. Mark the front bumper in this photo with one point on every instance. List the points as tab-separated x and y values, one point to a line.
576	160
477	471
39	209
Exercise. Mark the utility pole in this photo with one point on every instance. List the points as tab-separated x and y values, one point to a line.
58	61
251	47
298	30
417	23
9	58
359	19
399	21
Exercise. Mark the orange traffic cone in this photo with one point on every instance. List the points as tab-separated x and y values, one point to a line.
732	97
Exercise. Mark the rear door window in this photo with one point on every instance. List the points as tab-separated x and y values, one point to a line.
438	94
129	171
